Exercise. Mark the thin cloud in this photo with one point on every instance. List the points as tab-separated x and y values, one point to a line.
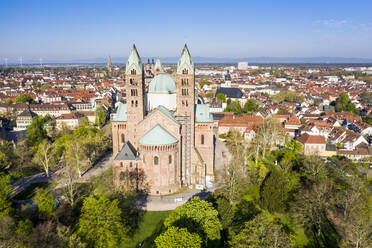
342	25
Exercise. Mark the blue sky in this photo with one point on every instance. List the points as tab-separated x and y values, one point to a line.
71	29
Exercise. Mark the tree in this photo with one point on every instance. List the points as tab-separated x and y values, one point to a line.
45	203
234	106
263	231
45	156
198	217
274	192
343	103
36	132
234	140
70	239
100	223
221	97
7	227
251	106
175	237
314	168
6	190
100	116
246	210
76	156
359	228
24	98
7	155
312	202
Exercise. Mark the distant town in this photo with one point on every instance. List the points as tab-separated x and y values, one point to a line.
305	99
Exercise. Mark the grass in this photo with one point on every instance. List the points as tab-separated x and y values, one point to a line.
29	192
150	224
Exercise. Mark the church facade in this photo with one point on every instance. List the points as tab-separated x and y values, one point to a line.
161	131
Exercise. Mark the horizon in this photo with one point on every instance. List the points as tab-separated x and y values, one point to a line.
70	30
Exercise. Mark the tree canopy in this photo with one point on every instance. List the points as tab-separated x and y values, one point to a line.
100	223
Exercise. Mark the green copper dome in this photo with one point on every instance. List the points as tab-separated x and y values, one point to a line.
162	83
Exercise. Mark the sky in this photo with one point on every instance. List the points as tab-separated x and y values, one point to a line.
81	29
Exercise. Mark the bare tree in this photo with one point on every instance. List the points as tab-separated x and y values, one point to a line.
312	203
76	156
45	156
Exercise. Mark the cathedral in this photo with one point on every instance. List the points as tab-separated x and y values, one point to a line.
160	130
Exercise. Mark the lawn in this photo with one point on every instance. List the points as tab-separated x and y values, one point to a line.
151	224
29	192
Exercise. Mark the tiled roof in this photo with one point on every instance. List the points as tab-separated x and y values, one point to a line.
311	139
240	121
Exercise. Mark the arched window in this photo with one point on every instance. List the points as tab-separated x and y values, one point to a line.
133	72
170	159
122	138
136	103
156	160
122	176
121	164
130	164
131	81
185	71
202	139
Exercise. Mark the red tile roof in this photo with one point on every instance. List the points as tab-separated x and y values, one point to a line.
311	139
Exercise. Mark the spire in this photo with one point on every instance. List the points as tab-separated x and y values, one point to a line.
158	66
185	58
135	59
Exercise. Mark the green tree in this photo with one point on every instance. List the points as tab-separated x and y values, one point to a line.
251	106
100	116
45	156
245	211
175	237
198	217
274	192
343	103
314	168
45	203
24	98
100	223
263	231
221	97
6	190
7	155
36	132
234	106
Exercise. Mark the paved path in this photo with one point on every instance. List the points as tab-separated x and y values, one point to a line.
54	175
170	202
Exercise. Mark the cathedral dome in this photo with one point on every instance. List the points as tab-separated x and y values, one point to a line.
162	83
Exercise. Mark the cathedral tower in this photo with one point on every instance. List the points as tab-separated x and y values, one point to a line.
134	75
185	80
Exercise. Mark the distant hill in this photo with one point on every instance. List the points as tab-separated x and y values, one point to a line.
291	60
